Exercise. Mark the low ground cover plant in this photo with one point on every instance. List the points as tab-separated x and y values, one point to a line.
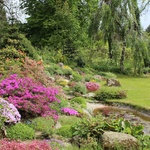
68	120
20	131
65	131
43	124
80	100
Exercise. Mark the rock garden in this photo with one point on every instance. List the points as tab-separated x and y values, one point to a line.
56	107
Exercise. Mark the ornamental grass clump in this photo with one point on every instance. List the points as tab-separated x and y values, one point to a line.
29	96
9	112
92	86
69	111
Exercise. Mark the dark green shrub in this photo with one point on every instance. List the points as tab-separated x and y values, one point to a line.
27	47
80	88
65	131
80	100
110	93
43	124
20	131
146	70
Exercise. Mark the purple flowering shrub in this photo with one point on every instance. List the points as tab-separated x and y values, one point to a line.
92	86
17	145
28	95
9	112
69	111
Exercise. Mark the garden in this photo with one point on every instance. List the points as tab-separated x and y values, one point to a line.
74	75
47	106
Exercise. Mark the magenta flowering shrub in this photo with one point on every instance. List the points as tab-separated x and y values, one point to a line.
69	111
29	96
9	112
92	86
16	145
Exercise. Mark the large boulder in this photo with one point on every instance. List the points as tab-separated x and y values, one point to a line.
112	140
113	82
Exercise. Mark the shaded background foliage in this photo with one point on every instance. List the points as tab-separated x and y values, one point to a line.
83	33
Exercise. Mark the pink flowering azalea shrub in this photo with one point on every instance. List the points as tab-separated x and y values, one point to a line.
92	86
16	145
69	111
9	112
29	96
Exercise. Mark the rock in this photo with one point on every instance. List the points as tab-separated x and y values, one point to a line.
113	82
92	106
69	97
51	79
87	113
99	77
112	140
89	95
61	64
58	125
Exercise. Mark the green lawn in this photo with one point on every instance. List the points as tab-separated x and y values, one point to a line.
138	91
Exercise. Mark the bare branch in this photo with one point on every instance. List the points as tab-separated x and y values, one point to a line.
144	6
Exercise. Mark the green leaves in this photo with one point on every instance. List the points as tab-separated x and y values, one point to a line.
88	127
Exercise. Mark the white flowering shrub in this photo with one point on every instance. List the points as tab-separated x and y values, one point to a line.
9	112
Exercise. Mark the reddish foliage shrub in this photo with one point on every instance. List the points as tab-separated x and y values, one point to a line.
16	145
35	70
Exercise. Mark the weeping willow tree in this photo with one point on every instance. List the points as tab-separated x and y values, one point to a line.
119	18
140	54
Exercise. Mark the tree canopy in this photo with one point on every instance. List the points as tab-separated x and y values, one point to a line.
87	31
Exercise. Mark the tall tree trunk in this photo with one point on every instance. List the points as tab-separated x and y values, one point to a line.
110	46
122	56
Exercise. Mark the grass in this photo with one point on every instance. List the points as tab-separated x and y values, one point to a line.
138	91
